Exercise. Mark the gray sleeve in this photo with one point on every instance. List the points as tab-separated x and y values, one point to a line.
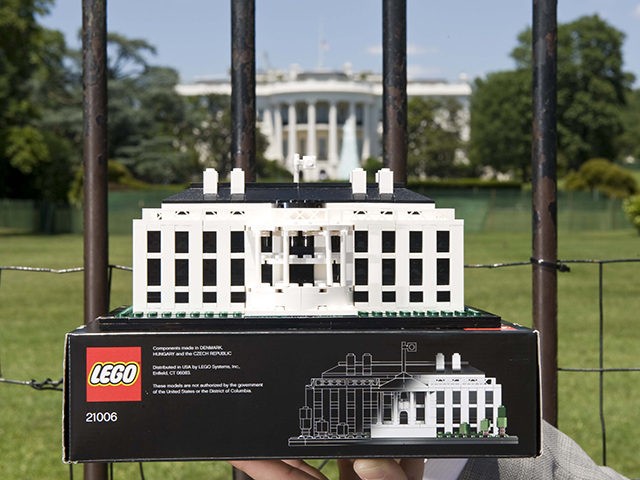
561	459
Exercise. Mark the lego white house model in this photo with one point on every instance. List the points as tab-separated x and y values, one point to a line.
298	249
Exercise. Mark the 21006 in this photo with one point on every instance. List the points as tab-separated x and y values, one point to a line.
101	417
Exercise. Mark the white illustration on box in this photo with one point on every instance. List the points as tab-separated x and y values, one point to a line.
366	400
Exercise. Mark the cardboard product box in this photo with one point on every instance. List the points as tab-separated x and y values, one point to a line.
182	393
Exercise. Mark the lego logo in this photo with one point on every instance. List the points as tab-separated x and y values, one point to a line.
114	374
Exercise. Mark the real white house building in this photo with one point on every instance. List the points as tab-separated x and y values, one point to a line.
335	116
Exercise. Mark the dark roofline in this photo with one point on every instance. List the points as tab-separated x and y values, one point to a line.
297	195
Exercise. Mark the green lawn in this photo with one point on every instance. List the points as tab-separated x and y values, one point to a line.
37	309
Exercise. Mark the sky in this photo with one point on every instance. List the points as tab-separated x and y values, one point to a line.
446	39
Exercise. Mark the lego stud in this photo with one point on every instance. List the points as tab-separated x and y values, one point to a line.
237	181
210	182
358	179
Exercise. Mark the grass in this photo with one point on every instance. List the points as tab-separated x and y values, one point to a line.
37	309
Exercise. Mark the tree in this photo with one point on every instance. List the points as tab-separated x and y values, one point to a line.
434	137
629	141
501	123
602	176
592	91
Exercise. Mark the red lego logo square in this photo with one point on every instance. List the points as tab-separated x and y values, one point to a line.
114	374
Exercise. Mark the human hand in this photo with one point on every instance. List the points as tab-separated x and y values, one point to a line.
363	469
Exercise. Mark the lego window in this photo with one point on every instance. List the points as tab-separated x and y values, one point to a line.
444	296
473	397
361	241
301	273
442	241
182	242
335	270
473	415
388	242
388	297
237	242
266	273
181	272
419	397
335	243
404	418
237	271
182	297
420	414
488	413
440	415
415	242
301	245
266	243
361	271
238	297
440	398
388	271
209	242
153	297
153	271
360	297
153	241
209	297
442	269
456	414
415	271
209	272
416	297
456	397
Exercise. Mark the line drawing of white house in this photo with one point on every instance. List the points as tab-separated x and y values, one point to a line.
366	400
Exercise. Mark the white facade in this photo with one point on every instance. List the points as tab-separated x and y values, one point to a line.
297	249
314	113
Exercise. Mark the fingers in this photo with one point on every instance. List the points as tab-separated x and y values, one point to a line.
345	468
278	470
389	469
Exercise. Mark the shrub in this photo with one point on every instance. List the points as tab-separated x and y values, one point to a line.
632	208
602	176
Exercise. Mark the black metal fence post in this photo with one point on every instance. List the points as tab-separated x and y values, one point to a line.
243	86
544	221
394	87
94	62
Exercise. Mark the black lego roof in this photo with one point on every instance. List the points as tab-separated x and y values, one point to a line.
296	195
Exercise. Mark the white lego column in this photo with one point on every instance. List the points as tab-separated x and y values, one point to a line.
327	253
358	179
210	182
237	181
384	177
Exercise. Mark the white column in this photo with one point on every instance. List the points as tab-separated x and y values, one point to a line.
327	252
343	258
293	135
374	146
277	120
285	257
366	131
311	128
267	129
333	134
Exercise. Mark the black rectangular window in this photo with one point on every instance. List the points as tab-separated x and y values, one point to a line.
473	415
238	297
440	415
388	297
361	241
266	243
301	245
209	297
415	271
488	413
237	271
416	297
456	397
440	397
388	271
237	242
442	241
473	397
415	242
335	270
360	296
335	243
361	271
182	242
301	273
209	272
388	242
488	397
443	296
420	414
456	414
182	297
153	297
209	242
153	271
153	241
182	272
266	273
442	269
